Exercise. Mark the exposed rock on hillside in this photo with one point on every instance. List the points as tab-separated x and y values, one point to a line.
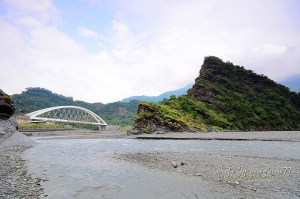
155	118
7	128
8	125
7	106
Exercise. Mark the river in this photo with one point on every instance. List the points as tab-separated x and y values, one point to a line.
91	168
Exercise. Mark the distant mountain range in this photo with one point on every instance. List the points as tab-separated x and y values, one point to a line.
292	82
161	97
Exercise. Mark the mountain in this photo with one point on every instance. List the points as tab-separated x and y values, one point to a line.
166	95
33	99
224	96
292	82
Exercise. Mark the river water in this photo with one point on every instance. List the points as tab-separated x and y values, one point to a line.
82	168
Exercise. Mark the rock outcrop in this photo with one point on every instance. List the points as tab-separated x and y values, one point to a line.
224	97
7	128
8	125
7	106
159	119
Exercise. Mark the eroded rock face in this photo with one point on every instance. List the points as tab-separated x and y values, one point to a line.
7	106
7	128
151	119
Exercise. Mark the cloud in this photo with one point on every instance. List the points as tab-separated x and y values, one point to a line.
269	49
29	5
152	47
122	30
85	32
32	12
28	22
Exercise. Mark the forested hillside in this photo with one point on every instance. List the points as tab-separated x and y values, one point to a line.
117	113
225	96
247	100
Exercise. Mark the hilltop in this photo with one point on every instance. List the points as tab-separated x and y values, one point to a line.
224	96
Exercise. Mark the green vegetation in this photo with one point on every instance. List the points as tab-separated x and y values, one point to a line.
8	99
199	111
229	97
84	126
151	115
124	128
24	126
224	97
117	113
245	100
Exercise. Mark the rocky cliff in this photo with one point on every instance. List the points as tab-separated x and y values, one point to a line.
7	128
8	125
7	106
226	97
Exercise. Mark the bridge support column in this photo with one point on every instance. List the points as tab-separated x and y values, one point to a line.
102	128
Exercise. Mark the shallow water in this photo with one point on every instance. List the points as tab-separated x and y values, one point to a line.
91	169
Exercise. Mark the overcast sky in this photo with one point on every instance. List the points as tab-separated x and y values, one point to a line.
106	50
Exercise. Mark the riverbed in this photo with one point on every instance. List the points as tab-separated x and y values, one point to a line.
132	168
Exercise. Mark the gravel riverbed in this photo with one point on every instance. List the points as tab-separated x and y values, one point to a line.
261	175
279	176
15	181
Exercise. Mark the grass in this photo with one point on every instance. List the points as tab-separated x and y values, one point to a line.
24	126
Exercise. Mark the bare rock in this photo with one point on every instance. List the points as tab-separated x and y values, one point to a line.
7	106
133	132
7	128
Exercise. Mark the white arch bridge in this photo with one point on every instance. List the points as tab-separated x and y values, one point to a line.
68	114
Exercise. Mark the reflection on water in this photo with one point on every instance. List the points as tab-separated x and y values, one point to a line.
90	168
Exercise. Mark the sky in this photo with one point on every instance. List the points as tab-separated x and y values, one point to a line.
107	50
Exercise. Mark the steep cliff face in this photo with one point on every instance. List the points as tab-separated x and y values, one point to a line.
227	96
7	106
8	124
7	128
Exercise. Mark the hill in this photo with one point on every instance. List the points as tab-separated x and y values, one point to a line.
161	97
117	113
224	96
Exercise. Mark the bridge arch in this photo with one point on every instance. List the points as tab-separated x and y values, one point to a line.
67	114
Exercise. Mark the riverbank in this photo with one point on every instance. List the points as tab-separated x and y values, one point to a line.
15	181
78	134
291	136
